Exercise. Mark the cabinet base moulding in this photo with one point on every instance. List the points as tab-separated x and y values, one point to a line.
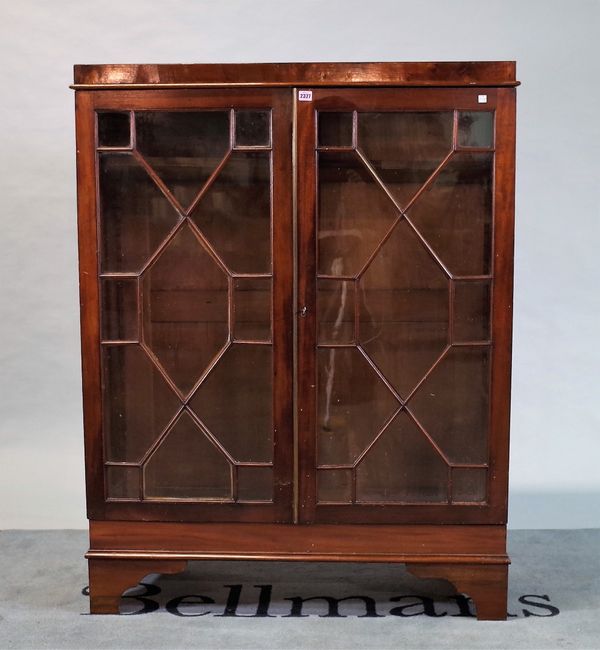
472	558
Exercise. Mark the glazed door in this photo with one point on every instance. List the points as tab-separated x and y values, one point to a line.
404	295
187	305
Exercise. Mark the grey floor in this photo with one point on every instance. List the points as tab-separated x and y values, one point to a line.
554	599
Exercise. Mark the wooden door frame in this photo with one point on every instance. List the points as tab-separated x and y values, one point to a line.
86	104
502	101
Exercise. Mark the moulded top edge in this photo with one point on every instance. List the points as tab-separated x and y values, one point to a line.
446	73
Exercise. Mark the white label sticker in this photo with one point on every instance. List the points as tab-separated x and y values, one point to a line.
482	99
305	95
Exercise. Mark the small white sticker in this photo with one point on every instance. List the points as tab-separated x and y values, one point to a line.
305	95
482	99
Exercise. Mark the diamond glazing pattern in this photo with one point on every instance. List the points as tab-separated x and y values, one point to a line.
184	210
425	228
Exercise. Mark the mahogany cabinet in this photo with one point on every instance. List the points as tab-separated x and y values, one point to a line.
296	286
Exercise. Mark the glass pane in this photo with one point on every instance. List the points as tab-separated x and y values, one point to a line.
353	405
402	466
354	214
404	309
472	311
475	129
235	212
114	130
135	217
185	312
119	310
235	402
252	128
335	311
187	465
469	484
455	214
335	129
405	148
137	402
334	485
122	482
453	404
252	307
184	148
255	483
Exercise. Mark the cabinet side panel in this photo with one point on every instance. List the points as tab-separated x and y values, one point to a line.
502	312
88	287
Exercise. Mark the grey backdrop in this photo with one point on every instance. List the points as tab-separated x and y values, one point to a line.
555	448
